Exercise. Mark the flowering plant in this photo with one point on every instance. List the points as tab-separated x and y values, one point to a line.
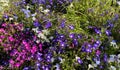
61	35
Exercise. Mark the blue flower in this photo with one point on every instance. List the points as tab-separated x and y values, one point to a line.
26	12
97	31
48	25
62	24
71	27
79	60
71	35
108	33
36	23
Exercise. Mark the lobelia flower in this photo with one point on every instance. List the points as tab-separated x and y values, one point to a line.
105	57
79	36
113	43
71	27
11	38
98	52
62	25
118	58
88	50
78	60
116	17
112	68
90	66
97	31
26	12
57	67
108	33
62	44
71	35
75	42
112	58
48	24
36	23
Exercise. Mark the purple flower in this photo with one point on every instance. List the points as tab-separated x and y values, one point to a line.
116	17
71	27
79	36
26	68
36	24
51	2
26	12
89	45
97	31
105	57
79	61
108	33
98	42
88	50
72	35
75	42
48	25
62	25
62	44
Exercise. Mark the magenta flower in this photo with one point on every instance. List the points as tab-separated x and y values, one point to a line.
40	46
17	64
11	38
34	49
98	52
11	61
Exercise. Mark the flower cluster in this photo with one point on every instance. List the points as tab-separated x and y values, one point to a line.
60	34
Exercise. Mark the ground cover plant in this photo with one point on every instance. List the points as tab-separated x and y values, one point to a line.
60	35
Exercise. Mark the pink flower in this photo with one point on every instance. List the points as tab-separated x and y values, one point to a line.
11	38
4	24
18	58
2	30
2	36
0	40
1	67
24	42
98	52
40	46
34	49
27	46
17	65
11	61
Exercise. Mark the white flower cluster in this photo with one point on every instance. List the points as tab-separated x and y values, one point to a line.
41	34
113	43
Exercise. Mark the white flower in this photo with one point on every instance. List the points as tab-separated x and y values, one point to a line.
112	58
41	8
90	66
57	67
77	57
46	32
113	43
38	41
71	5
61	59
118	58
41	35
33	18
46	11
97	62
10	18
36	30
28	7
112	68
118	2
52	59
